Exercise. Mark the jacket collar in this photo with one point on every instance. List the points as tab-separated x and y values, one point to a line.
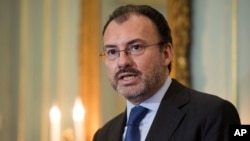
169	114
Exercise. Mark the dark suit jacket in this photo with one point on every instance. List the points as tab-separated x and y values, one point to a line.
183	115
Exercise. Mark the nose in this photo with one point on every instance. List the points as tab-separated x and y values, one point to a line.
124	60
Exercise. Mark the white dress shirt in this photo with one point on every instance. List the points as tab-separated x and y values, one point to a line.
152	104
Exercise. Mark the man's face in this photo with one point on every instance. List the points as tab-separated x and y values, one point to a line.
136	77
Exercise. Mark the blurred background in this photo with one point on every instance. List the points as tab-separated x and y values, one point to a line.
49	55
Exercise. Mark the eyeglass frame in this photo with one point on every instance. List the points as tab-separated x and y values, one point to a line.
128	51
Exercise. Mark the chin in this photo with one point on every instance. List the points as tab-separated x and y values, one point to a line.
130	93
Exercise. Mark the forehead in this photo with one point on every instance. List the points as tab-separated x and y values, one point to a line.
135	27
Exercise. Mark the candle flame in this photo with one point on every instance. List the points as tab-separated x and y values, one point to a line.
78	111
55	114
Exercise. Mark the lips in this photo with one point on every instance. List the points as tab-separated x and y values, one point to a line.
126	76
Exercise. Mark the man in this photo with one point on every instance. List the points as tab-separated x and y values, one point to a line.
137	53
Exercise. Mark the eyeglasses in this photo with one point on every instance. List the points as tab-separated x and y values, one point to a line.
133	50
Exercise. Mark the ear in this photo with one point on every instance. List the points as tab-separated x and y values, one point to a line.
168	53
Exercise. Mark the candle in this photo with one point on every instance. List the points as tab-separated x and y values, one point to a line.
55	120
78	117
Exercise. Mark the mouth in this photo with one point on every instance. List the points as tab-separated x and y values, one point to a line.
127	76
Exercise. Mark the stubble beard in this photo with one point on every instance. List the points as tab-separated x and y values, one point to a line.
149	84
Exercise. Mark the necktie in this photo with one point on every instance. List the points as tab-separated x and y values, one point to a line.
135	117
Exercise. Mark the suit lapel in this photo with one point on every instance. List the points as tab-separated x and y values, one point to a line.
168	115
118	128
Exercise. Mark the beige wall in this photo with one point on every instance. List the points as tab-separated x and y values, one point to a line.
220	51
38	66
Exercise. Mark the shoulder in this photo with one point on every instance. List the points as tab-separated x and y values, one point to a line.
206	116
215	107
197	98
205	105
205	99
209	101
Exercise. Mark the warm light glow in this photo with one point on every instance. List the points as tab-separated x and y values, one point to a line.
78	111
55	114
55	121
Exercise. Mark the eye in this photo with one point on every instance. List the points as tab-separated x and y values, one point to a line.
136	47
111	52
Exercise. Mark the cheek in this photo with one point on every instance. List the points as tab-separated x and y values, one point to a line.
150	63
146	65
110	68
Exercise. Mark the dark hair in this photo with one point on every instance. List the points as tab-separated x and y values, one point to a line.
122	13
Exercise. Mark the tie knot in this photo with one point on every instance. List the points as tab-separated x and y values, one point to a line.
136	115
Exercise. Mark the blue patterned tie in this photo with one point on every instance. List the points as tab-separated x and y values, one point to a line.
136	115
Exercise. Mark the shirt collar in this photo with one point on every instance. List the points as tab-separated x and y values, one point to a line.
154	101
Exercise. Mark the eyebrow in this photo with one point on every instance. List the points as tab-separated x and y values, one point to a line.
110	46
127	44
135	41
